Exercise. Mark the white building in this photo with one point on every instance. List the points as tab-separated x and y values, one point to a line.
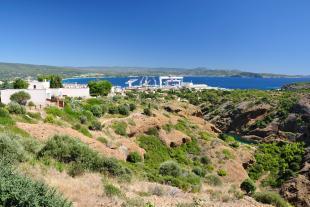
41	92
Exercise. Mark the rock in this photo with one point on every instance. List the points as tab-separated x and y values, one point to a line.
297	190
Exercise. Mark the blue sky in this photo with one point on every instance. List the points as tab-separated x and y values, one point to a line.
251	35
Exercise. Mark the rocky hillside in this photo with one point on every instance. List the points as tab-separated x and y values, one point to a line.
264	117
142	149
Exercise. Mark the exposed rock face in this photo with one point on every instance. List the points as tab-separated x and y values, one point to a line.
296	86
241	118
297	190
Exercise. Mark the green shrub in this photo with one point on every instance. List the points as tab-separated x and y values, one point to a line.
95	125
227	154
16	108
11	148
170	168
221	172
5	118
113	110
34	115
213	180
277	159
31	104
83	119
18	190
235	144
199	171
123	110
65	149
132	106
85	131
227	138
49	119
147	111
205	136
270	198
120	128
248	186
111	190
4	112
96	110
75	169
205	160
134	157
102	140
153	131
20	97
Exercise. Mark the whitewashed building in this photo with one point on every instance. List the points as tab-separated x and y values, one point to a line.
41	92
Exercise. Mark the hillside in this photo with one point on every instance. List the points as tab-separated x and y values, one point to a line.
143	149
265	117
13	70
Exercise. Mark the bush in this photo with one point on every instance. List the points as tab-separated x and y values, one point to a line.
147	112
199	171
235	144
11	148
120	128
96	110
205	160
100	88
221	172
20	97
83	119
248	186
20	84
85	131
123	110
67	150
4	112
31	104
132	106
170	168
102	140
213	180
49	119
75	169
110	190
277	159
270	198
18	190
134	157
16	108
153	131
113	110
95	125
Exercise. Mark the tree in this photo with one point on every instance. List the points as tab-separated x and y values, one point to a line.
248	186
100	88
20	97
20	84
55	81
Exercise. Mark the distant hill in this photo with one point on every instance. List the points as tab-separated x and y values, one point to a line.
12	70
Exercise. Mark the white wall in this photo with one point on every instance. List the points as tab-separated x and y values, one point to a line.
76	92
38	85
38	96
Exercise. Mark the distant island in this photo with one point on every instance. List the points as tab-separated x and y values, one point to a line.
12	70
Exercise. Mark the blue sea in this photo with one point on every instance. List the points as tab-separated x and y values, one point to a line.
223	82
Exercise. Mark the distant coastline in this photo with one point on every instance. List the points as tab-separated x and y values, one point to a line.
13	70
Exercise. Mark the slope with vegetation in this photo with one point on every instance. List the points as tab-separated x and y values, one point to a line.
141	149
278	120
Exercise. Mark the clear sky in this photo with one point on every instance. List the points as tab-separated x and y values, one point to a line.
251	35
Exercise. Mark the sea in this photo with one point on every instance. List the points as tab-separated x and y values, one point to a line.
222	82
